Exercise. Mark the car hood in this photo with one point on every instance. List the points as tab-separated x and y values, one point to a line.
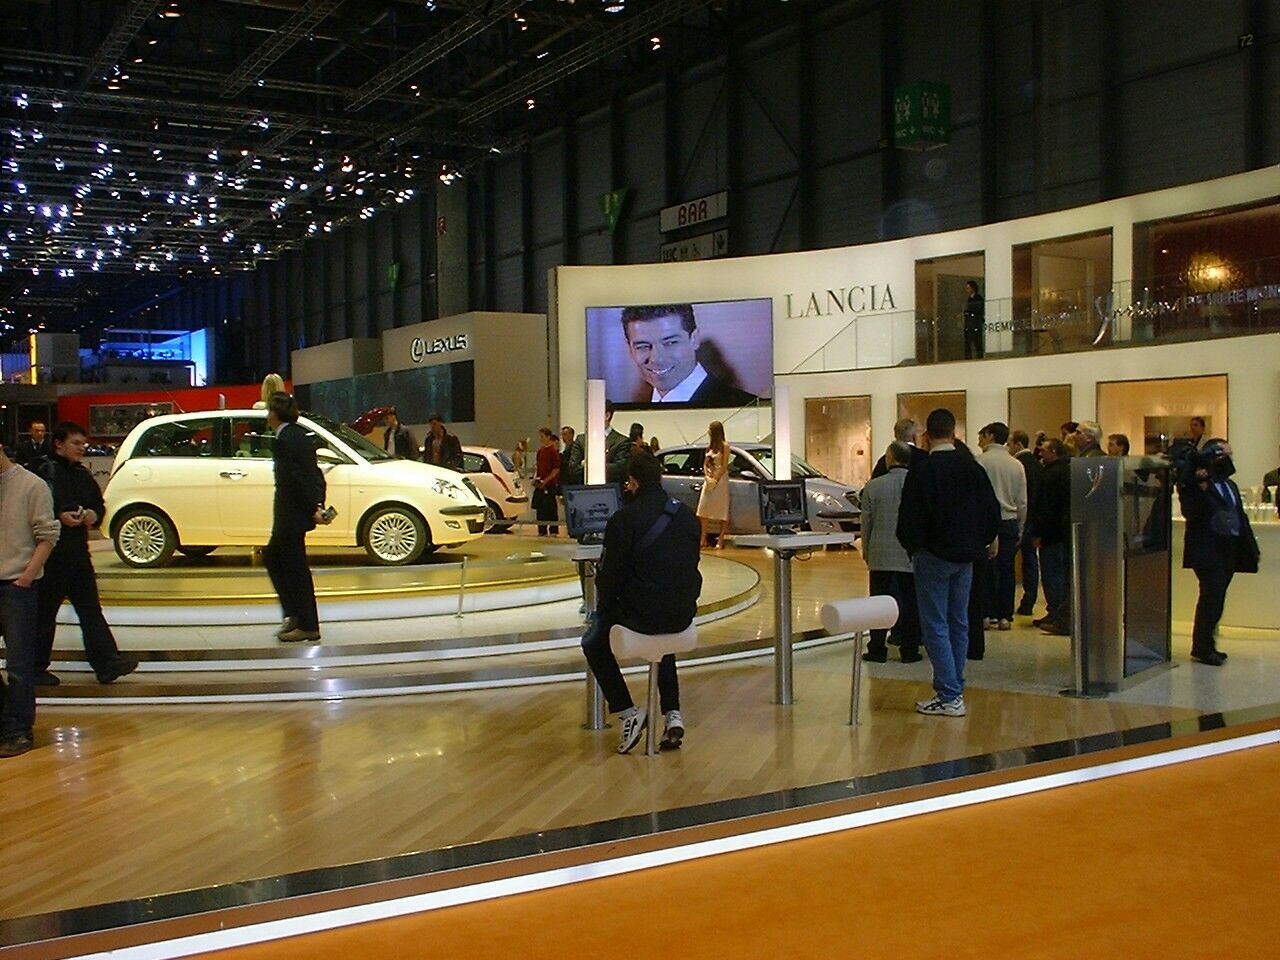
411	475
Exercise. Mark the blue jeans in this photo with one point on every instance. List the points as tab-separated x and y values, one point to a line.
18	614
1030	576
1001	572
1053	571
942	597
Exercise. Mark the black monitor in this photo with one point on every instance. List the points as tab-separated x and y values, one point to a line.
782	504
588	507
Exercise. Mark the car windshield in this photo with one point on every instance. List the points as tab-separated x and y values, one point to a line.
371	452
799	468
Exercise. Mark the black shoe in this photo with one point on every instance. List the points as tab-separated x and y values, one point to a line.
16	744
875	656
1042	621
973	656
45	679
1210	658
910	656
119	667
1026	611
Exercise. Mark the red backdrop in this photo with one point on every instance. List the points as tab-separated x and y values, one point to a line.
75	407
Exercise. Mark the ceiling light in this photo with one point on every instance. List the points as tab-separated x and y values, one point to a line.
530	103
171	11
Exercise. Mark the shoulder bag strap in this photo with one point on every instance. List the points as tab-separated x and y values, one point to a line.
659	526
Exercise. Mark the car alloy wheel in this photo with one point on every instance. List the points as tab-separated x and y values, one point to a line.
145	539
395	535
491	516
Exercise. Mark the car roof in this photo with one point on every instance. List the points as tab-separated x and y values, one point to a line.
468	448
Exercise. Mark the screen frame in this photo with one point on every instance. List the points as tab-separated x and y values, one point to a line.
768	522
573	490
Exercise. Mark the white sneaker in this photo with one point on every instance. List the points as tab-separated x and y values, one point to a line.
673	734
1005	625
937	707
990	623
286	625
632	730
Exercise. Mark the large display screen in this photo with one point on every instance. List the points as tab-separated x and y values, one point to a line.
717	354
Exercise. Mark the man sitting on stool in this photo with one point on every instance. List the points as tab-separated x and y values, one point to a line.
648	582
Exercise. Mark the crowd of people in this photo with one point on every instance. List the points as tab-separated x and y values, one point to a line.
943	527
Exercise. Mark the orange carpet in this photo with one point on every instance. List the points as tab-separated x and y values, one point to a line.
1177	862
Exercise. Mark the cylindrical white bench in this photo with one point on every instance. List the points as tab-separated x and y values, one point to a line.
627	644
857	615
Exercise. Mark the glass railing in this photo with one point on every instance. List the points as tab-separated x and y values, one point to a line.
1215	302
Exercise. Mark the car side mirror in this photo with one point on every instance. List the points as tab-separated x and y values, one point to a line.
744	474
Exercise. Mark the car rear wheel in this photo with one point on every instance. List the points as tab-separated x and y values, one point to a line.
187	551
395	536
145	538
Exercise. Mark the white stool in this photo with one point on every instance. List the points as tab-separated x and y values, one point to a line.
627	644
857	615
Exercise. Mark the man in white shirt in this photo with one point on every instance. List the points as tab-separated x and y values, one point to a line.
663	341
1009	481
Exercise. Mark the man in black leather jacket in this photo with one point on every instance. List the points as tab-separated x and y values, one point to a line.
68	574
650	590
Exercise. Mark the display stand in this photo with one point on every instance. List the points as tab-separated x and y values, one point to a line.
784	547
586	556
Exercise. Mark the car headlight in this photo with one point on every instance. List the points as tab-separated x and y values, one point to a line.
447	488
827	502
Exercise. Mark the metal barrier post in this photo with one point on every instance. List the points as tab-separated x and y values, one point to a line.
855	694
783	691
1079	649
462	586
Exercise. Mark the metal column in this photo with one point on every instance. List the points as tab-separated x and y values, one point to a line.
782	681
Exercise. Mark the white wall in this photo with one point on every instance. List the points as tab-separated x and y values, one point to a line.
885	334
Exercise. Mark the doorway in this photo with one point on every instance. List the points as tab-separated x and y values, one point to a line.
837	437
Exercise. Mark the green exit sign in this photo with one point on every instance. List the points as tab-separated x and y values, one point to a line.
922	115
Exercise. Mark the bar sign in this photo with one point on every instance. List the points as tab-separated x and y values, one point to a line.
693	212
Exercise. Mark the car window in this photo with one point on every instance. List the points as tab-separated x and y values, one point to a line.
683	463
505	459
371	452
251	438
799	468
740	463
474	463
185	438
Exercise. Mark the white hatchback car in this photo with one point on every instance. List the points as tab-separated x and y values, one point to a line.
494	475
193	482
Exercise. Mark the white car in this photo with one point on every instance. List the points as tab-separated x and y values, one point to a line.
494	475
193	482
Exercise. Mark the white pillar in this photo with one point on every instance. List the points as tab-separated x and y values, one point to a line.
594	429
781	431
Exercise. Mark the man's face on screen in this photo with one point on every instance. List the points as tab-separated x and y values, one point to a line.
663	351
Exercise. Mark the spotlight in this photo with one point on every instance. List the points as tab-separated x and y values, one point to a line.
171	11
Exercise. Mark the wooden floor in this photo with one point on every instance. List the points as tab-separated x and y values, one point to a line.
120	803
1126	867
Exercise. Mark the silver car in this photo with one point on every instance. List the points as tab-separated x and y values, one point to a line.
833	507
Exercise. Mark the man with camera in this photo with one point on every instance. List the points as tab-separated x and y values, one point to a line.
1219	541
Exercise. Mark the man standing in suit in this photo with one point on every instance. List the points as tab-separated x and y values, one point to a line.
1219	541
396	439
297	508
442	447
37	448
663	341
887	563
617	449
904	431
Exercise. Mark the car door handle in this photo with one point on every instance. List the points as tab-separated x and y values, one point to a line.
233	474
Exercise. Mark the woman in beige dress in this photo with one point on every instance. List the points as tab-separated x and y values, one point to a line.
713	503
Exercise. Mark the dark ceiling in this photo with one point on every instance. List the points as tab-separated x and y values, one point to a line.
147	141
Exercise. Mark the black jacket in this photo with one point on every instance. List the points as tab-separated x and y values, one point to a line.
31	454
1034	470
881	468
300	486
72	486
401	444
450	452
716	393
657	591
974	312
1210	518
1050	517
571	462
948	508
617	451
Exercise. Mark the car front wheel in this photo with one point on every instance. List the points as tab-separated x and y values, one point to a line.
145	538
395	535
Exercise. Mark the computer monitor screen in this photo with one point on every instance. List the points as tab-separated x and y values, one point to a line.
782	503
588	507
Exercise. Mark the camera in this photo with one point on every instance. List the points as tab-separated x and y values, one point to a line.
328	514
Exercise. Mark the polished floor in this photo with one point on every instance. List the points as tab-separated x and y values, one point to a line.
125	802
1176	862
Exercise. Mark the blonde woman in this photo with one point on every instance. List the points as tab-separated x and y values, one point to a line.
713	503
271	383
